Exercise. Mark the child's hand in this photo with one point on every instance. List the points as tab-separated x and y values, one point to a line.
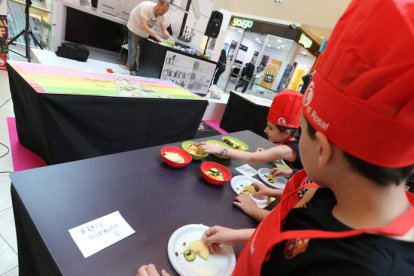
211	148
281	172
246	203
262	190
216	235
150	270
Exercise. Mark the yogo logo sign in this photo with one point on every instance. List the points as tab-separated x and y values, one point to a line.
305	41
242	23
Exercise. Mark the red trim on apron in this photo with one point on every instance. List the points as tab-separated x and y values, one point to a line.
268	233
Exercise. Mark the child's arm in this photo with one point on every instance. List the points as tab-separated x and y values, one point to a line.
247	204
216	235
262	190
268	155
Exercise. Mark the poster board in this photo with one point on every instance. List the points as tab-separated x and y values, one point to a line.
270	73
3	34
61	80
296	79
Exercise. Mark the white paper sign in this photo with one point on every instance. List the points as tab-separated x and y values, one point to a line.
100	233
246	170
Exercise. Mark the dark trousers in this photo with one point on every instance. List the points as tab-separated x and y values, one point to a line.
243	82
219	71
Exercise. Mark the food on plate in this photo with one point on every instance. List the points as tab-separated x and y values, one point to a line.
234	143
195	149
189	255
215	174
175	157
231	144
249	189
270	178
199	248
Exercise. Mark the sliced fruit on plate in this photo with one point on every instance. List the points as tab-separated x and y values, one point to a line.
189	255
200	248
270	178
235	143
249	189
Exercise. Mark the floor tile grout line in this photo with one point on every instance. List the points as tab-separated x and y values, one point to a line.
15	231
11	247
9	270
11	207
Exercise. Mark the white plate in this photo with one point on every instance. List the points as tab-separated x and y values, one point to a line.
238	182
221	263
280	180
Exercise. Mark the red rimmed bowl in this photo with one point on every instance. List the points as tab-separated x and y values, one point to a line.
175	157
209	172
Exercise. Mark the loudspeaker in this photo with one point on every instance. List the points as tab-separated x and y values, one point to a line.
214	24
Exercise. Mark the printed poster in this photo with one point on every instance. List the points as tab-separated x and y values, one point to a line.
296	80
61	80
286	77
270	73
3	38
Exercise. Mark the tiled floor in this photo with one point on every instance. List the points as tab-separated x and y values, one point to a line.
8	243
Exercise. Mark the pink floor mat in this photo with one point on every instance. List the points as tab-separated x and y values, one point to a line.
23	158
216	126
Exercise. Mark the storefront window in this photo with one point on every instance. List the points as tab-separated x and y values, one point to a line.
231	46
271	64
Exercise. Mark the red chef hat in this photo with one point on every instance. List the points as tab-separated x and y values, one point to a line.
286	108
362	94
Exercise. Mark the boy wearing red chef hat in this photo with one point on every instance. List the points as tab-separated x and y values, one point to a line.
361	222
282	125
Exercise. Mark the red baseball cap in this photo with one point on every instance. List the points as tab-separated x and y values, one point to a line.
362	94
286	108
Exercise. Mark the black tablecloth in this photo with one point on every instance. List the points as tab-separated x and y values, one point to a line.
61	128
153	198
242	114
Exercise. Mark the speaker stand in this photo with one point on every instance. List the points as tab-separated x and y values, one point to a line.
27	33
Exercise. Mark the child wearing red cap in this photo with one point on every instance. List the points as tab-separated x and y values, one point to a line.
361	220
282	125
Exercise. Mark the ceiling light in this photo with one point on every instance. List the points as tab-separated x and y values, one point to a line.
279	40
278	47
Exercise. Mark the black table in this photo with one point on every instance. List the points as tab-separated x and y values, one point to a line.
153	56
152	197
62	127
241	113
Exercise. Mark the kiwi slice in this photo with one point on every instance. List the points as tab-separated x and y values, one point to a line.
189	255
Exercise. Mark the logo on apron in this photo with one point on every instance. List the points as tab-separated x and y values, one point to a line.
295	246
